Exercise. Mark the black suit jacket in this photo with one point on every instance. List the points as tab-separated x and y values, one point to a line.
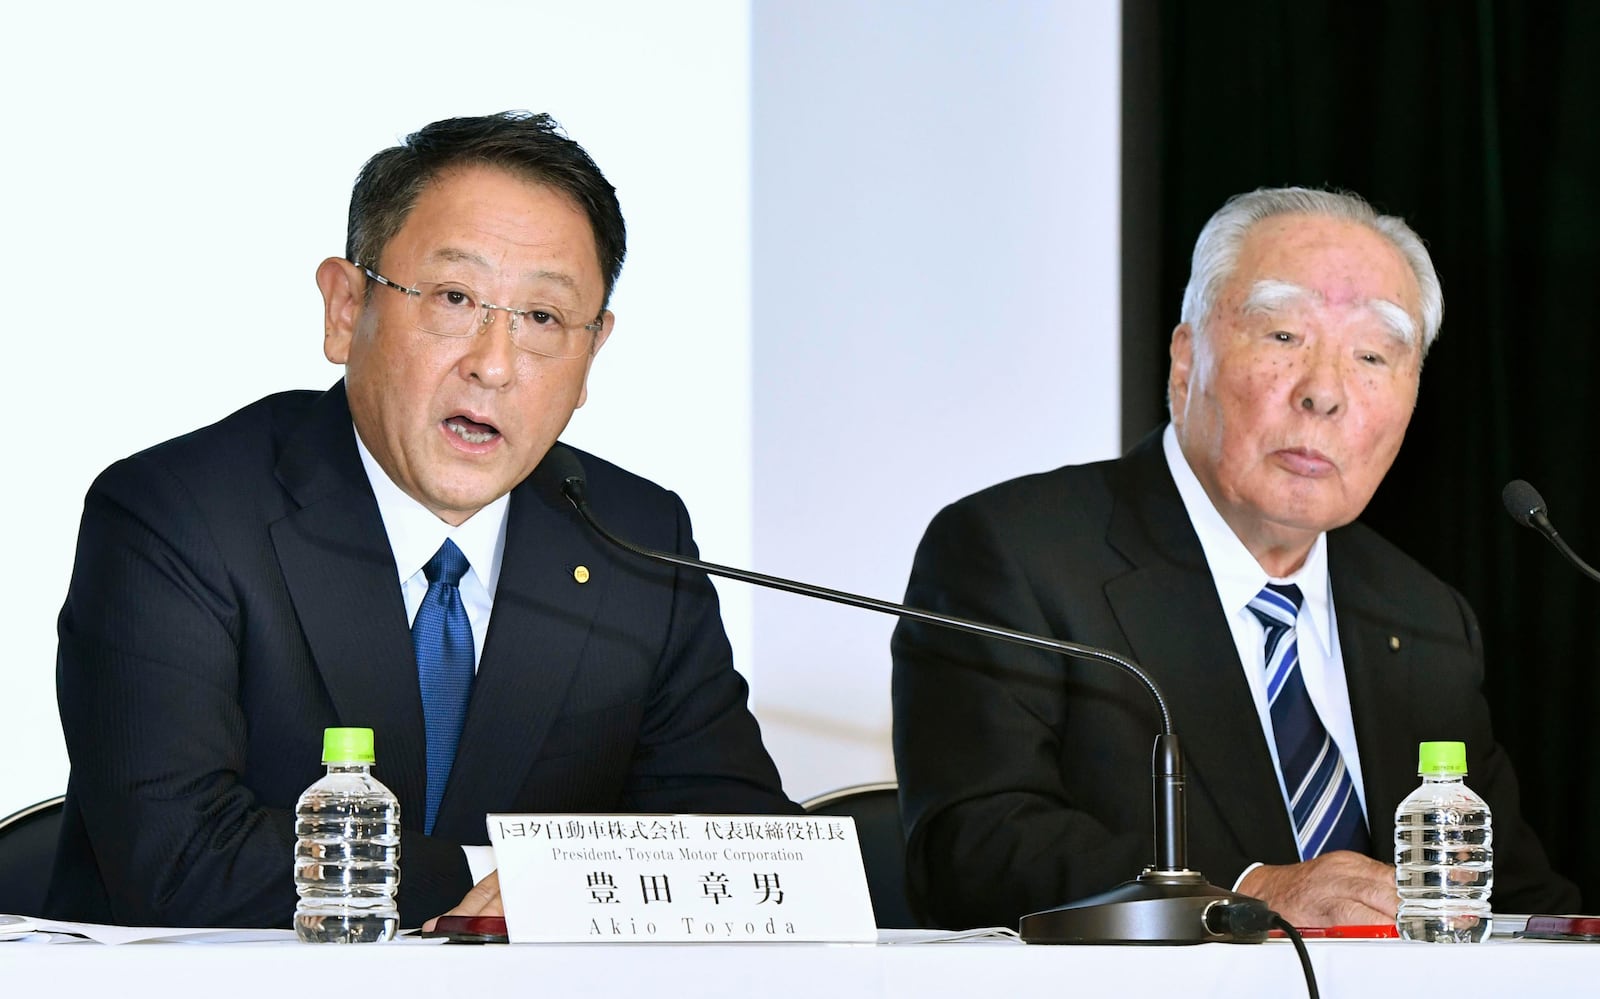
234	594
1024	776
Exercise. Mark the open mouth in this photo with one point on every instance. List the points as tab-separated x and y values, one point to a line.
471	431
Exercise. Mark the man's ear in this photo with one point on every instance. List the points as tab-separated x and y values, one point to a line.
344	290
1181	351
607	320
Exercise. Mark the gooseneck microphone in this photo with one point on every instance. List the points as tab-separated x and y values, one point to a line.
1166	904
1527	508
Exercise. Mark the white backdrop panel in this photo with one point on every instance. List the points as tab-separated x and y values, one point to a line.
936	238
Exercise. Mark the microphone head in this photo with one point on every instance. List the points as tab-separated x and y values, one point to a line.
564	467
1523	502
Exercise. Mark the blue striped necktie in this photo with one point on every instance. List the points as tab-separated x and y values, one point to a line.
1322	799
441	636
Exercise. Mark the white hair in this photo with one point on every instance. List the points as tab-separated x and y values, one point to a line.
1216	252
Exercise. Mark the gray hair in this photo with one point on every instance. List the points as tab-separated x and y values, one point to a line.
1216	252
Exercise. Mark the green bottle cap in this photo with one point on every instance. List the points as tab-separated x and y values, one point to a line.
1434	758
347	745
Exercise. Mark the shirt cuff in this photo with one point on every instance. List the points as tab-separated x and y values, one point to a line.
480	861
1236	881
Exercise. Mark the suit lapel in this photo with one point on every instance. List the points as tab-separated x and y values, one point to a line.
1375	673
1168	609
340	573
537	632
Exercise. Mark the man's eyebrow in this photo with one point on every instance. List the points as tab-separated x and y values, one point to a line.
1398	321
453	255
559	277
1270	295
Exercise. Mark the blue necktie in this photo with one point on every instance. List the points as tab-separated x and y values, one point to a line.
442	638
1322	799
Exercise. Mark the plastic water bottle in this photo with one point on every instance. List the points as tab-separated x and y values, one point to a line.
347	847
1443	852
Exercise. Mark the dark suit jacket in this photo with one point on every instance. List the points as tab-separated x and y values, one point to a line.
234	593
1024	776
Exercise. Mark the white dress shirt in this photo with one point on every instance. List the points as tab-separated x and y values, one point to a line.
1238	578
415	534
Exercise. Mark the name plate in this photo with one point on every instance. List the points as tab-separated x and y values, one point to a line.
681	878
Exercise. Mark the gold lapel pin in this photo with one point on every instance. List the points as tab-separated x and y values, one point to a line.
1394	643
581	574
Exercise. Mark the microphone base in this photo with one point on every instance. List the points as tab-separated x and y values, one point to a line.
1157	907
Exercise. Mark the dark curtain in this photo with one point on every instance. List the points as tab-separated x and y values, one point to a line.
1478	122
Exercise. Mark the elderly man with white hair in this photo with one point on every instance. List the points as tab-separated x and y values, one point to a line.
1303	656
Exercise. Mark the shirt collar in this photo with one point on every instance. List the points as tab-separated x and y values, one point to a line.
415	532
1237	574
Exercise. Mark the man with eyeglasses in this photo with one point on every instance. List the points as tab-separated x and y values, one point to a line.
241	588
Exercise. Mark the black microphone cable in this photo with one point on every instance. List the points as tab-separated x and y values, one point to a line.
1299	948
1250	917
575	488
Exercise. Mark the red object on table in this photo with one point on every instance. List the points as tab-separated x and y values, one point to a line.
1375	931
470	929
